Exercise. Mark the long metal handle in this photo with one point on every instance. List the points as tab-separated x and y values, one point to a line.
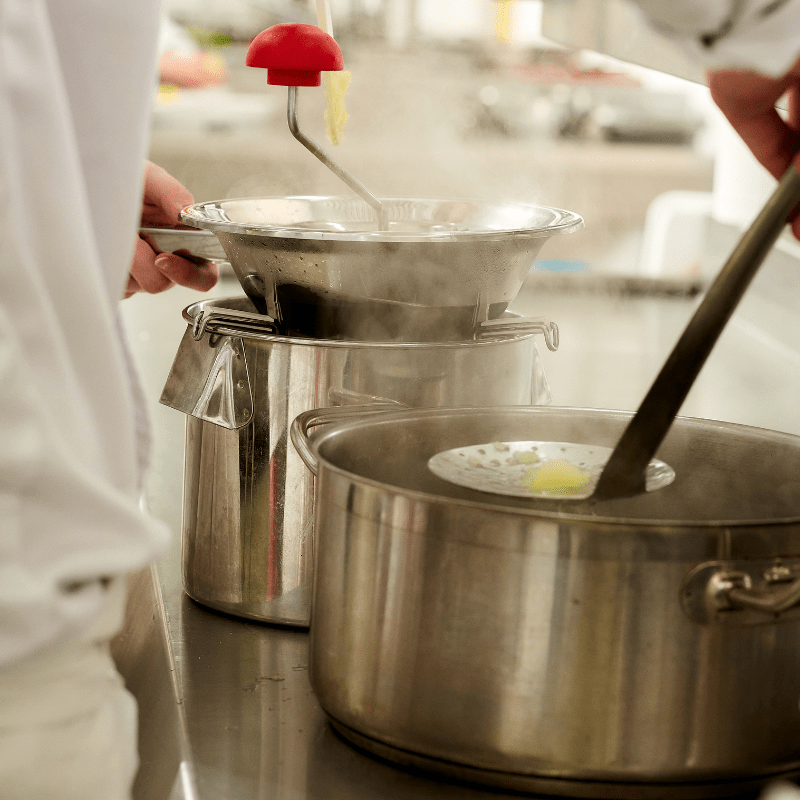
353	182
623	474
195	245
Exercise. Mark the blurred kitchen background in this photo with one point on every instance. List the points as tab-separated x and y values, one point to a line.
569	103
472	99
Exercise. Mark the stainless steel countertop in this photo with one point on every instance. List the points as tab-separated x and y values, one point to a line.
250	723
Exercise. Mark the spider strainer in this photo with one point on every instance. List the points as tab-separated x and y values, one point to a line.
553	470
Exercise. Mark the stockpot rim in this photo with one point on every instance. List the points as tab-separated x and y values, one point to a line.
197	216
191	312
388	415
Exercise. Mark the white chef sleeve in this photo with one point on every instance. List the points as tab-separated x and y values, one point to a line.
77	79
760	35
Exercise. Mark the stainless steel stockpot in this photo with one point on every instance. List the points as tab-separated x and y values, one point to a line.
647	647
248	498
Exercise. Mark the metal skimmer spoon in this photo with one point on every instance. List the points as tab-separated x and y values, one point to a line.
630	469
623	474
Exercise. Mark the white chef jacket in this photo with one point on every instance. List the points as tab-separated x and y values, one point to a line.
760	35
76	85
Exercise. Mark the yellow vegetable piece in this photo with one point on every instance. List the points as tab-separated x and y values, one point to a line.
555	476
167	94
530	457
336	116
504	20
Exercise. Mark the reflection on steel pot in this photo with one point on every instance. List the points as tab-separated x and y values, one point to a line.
248	498
318	266
647	647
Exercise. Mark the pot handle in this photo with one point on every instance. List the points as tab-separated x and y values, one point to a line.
211	317
781	599
742	593
210	381
298	432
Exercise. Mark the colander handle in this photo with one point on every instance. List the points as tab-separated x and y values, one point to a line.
500	328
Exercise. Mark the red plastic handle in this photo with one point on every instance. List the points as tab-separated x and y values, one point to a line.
294	54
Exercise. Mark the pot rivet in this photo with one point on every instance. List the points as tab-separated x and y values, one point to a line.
778	574
240	384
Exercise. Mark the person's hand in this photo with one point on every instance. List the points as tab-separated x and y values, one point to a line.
152	271
748	100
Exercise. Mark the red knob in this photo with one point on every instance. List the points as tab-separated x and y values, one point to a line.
294	54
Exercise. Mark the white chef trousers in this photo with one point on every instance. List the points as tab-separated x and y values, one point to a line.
67	723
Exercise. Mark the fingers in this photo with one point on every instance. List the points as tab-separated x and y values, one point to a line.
794	224
152	271
201	277
748	100
164	197
156	272
147	276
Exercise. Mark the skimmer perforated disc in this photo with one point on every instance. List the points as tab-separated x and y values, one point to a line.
555	470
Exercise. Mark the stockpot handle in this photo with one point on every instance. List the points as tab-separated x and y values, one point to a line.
298	432
500	328
777	601
742	593
243	321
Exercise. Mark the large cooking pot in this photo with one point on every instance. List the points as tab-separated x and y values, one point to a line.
647	647
248	498
319	266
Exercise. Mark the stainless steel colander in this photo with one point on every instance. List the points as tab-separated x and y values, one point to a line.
319	266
